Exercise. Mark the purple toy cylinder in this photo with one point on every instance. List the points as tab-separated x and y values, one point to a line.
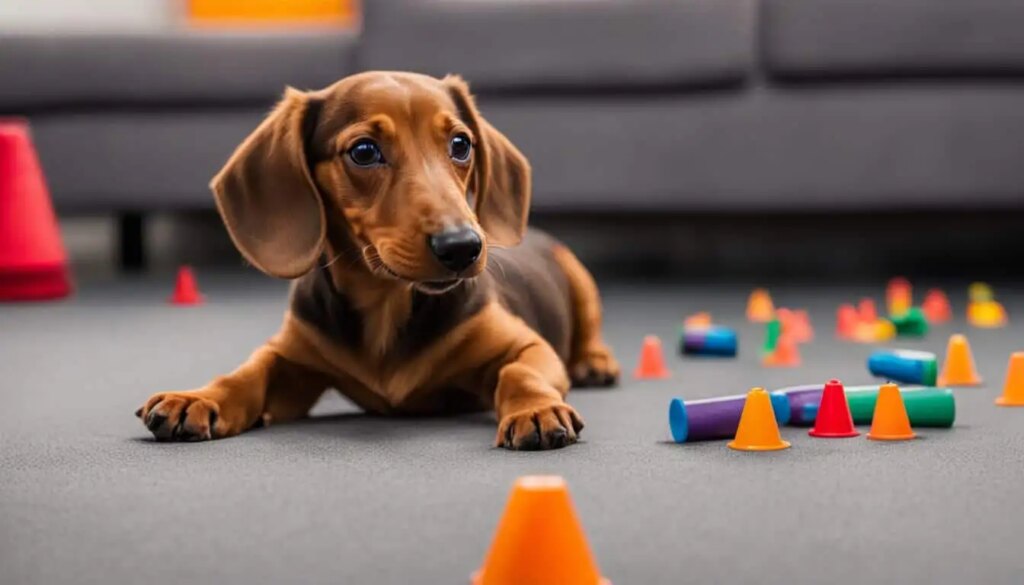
715	418
798	396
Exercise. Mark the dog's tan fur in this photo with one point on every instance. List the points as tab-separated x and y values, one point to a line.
368	314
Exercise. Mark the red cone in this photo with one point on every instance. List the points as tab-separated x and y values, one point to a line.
866	310
834	420
33	264
186	291
847	320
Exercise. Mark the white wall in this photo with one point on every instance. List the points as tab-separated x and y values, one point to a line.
16	15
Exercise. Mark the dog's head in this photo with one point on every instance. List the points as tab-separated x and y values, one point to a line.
402	165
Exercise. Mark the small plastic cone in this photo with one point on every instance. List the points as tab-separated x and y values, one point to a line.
1013	388
801	325
866	311
186	291
936	307
834	420
786	354
890	421
958	369
979	292
697	320
846	321
33	263
759	307
758	430
898	296
652	361
986	314
539	540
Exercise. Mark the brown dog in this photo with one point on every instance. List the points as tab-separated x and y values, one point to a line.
384	195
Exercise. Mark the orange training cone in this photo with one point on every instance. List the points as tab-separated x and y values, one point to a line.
186	291
936	307
890	421
786	354
652	361
758	429
1013	388
759	307
846	322
33	264
801	326
539	540
958	369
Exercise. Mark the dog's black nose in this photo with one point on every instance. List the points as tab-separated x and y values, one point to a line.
456	248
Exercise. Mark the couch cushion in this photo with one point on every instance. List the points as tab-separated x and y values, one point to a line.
500	45
834	38
191	67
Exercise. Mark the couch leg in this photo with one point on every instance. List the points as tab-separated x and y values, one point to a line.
131	238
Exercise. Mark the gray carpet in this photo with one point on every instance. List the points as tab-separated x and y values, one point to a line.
87	497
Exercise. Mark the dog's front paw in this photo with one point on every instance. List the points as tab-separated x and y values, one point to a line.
547	427
181	416
596	367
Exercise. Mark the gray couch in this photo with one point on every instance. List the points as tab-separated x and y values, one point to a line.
656	105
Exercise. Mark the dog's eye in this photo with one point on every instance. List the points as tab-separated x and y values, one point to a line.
459	148
365	153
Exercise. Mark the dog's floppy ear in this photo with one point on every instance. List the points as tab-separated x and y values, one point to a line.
501	174
266	197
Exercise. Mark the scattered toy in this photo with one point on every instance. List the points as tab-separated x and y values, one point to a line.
866	311
986	314
1013	388
979	292
772	332
833	419
186	291
715	418
714	340
959	369
786	354
911	323
702	319
890	421
539	539
847	320
936	307
878	331
898	296
760	308
33	262
904	365
652	361
758	429
926	407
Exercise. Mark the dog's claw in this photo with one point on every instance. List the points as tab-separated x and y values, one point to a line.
180	416
546	427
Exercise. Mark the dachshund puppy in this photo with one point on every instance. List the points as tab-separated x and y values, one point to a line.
401	213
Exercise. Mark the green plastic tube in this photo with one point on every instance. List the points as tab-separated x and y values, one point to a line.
772	331
926	407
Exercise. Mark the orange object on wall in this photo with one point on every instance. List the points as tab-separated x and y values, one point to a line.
324	12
